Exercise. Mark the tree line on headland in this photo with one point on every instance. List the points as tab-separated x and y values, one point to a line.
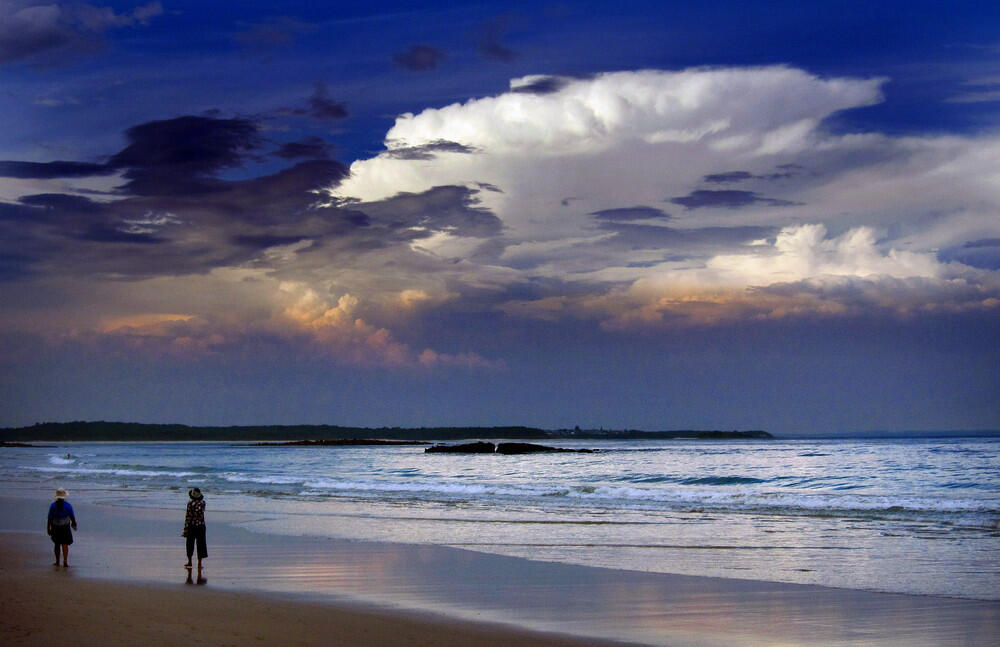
133	431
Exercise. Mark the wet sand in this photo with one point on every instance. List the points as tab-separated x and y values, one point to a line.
54	606
127	576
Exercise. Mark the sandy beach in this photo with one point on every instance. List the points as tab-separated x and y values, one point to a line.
52	606
126	585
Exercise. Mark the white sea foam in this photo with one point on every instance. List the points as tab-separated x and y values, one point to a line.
429	488
742	499
112	472
752	499
266	479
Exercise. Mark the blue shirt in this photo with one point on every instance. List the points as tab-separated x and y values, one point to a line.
57	518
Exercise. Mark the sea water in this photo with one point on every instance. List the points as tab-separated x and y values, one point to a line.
919	516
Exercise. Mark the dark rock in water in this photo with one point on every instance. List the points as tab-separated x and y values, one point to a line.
502	448
467	448
530	448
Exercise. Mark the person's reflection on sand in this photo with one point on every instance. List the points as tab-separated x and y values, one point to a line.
201	578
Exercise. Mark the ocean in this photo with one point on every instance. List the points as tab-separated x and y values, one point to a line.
904	515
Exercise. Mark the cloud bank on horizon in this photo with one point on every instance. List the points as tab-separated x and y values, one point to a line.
638	201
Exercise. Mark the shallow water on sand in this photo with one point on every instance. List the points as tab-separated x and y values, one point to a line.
143	544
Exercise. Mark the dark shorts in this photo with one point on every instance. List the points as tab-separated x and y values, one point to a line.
61	535
196	534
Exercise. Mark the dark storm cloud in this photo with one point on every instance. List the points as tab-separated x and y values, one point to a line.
544	85
452	208
731	177
320	105
49	170
427	151
310	147
171	156
17	212
177	155
175	216
982	242
176	234
43	35
188	144
30	30
47	207
728	198
61	202
983	253
276	197
630	213
64	234
419	58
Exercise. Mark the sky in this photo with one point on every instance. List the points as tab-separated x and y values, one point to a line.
686	215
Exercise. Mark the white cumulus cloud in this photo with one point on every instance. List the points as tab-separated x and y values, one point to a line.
739	184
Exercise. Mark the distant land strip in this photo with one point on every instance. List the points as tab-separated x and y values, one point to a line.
133	431
337	442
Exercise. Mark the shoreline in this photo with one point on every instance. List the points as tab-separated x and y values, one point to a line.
133	547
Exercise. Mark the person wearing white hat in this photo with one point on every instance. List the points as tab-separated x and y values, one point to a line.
61	519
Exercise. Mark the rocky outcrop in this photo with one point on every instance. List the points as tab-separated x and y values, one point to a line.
502	448
465	448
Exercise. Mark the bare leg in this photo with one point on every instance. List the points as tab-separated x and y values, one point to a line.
65	548
55	548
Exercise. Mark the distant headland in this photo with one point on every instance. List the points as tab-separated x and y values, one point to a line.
133	431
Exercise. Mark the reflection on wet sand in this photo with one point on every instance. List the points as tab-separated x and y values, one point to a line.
648	608
201	578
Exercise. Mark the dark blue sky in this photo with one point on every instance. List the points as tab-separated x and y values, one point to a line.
776	215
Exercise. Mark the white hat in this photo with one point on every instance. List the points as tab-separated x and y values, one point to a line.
61	493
